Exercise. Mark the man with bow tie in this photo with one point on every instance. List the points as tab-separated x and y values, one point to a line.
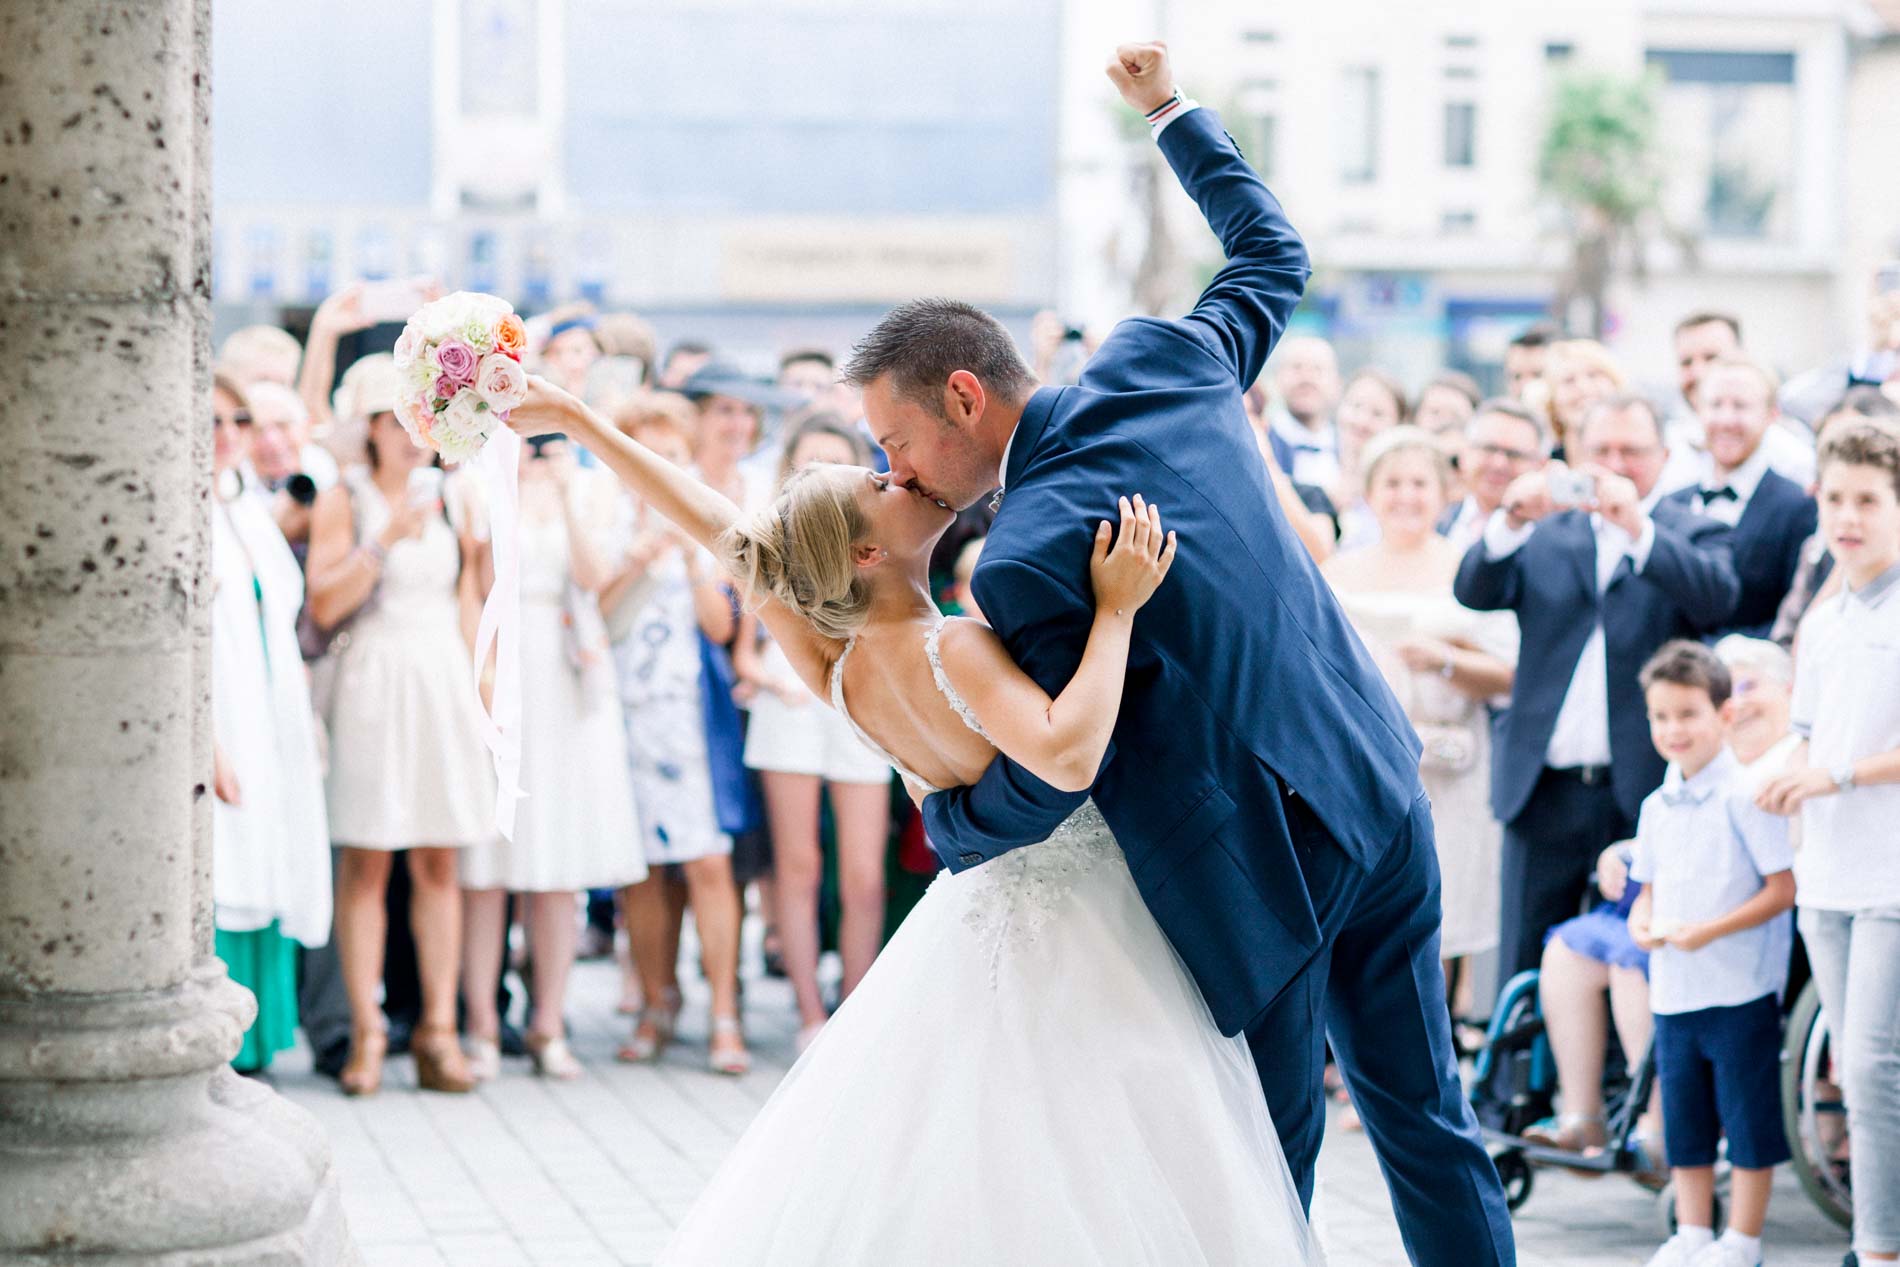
1770	514
1598	580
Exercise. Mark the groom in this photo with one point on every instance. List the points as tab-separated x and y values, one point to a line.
1262	781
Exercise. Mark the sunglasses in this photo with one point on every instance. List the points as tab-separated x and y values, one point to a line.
239	418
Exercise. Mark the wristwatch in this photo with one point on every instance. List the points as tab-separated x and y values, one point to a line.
1844	777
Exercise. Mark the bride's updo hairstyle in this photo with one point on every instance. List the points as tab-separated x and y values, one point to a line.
798	550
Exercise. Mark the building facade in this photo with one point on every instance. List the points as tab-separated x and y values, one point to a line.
1404	141
734	170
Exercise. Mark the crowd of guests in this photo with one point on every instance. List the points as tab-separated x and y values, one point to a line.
1648	648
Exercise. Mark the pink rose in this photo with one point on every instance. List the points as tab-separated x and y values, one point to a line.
446	387
500	381
457	361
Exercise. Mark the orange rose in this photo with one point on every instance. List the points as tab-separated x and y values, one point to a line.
511	336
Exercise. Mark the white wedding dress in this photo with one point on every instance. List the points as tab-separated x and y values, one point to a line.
1027	1075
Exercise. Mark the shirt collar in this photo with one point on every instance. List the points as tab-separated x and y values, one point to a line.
1679	791
1002	470
1746	478
1872	593
1289	428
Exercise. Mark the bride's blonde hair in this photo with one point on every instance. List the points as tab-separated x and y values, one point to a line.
798	550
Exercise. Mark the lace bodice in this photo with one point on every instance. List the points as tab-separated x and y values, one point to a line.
1009	901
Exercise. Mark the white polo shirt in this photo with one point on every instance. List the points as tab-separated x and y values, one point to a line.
1847	704
1703	848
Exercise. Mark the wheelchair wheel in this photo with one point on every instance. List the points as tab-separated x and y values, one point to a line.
1812	1113
1515	1172
1666	1210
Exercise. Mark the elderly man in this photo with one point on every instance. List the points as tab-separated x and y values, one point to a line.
1600	575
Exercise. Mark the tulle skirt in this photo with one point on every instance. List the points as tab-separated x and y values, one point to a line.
1026	1075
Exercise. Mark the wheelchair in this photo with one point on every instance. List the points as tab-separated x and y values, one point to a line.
1514	1086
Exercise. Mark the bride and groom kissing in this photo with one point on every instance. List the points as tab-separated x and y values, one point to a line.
1184	838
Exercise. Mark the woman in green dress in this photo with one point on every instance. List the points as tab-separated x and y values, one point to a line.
270	837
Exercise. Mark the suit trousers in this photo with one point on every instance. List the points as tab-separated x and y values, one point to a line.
1376	990
1549	851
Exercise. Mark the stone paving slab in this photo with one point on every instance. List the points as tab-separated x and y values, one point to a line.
527	1172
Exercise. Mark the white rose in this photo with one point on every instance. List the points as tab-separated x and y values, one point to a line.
409	347
462	428
500	381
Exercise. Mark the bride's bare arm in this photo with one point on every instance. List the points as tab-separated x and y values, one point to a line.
1062	740
703	513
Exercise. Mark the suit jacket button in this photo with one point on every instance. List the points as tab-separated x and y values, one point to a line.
970	859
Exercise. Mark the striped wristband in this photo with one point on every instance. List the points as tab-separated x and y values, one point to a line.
1168	111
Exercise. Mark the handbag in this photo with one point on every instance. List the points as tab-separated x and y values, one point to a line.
1446	749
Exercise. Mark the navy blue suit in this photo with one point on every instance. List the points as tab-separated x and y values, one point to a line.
1262	781
1766	543
1557	822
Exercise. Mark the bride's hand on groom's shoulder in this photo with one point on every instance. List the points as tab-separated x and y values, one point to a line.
1141	73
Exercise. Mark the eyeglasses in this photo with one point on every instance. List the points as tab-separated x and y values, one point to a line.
1500	451
238	418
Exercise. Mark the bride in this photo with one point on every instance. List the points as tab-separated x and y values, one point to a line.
1027	1074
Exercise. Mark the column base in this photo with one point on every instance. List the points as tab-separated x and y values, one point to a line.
126	1138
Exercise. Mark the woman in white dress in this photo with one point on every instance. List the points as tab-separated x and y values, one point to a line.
1443	661
951	1112
407	767
270	843
575	829
801	748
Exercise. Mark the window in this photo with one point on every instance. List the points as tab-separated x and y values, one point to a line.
1259	121
1458	223
1359	126
1728	122
1559	51
1461	134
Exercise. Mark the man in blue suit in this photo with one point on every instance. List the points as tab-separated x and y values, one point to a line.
1262	782
1598	583
1772	517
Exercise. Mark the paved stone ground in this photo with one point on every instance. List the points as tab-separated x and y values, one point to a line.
598	1171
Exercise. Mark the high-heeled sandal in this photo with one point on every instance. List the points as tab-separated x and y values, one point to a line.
729	1061
363	1072
651	1034
440	1065
553	1058
484	1058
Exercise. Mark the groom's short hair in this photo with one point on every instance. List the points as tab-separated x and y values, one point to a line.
920	344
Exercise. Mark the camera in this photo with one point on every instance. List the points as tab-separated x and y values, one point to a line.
302	489
1572	488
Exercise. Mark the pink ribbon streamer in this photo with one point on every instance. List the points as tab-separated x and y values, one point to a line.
500	627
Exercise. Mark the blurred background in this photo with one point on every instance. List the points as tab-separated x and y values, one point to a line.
756	175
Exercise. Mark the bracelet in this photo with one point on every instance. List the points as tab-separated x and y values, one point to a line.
1447	669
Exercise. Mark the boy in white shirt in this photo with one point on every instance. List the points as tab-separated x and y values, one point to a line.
1846	788
1717	887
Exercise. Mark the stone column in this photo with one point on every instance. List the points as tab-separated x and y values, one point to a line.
124	1136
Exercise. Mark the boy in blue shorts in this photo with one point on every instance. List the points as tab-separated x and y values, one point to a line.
1718	886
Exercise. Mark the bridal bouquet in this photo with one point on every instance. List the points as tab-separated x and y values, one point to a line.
460	361
460	358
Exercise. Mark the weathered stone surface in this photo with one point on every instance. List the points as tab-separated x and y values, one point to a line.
124	1136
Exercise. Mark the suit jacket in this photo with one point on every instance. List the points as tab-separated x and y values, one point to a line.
1766	544
1687	588
1243	671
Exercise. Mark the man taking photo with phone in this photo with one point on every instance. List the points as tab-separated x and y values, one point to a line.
1599	575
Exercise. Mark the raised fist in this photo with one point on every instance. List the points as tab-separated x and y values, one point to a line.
1141	73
